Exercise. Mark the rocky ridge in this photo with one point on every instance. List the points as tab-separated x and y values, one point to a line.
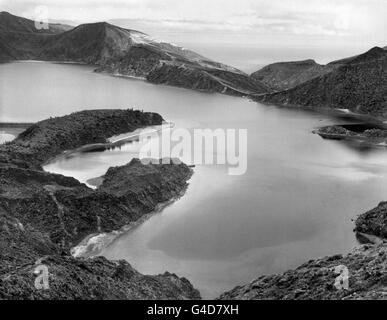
374	222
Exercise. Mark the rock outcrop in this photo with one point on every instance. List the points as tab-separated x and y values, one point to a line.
374	222
43	215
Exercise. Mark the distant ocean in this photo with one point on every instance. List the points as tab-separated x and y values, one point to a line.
250	58
250	52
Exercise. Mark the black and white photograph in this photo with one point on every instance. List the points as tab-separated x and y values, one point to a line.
214	152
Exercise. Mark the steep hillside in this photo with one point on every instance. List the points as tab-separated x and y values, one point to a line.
6	52
20	39
358	84
285	75
96	43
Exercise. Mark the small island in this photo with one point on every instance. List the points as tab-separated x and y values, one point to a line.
372	137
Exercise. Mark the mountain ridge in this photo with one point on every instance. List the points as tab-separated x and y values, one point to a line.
358	84
122	51
285	75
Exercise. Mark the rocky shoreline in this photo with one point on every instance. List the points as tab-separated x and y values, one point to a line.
43	215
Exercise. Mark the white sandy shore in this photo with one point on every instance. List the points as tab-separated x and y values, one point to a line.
93	244
5	137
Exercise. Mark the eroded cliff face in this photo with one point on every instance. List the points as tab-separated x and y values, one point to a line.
43	215
374	222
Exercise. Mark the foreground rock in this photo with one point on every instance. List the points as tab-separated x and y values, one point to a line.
23	248
43	215
316	279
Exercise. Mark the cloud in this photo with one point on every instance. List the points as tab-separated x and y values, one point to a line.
295	17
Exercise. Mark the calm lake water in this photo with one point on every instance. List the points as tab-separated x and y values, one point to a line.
295	202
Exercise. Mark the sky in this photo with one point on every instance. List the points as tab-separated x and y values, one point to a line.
343	26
